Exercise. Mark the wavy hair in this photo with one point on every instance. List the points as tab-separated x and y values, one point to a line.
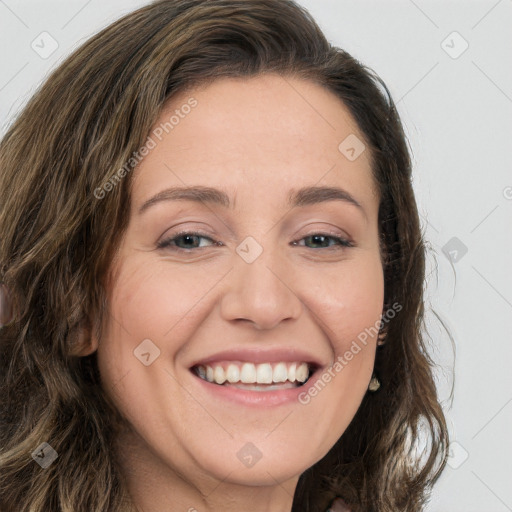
59	232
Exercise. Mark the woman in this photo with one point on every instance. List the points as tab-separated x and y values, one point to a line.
276	365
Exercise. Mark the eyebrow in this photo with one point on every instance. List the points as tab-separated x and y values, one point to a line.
302	197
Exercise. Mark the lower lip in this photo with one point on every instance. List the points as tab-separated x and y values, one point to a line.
258	398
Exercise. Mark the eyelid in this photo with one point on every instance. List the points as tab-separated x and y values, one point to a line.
162	243
327	231
344	241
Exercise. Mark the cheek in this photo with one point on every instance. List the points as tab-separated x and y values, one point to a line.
155	300
152	313
348	306
348	302
150	302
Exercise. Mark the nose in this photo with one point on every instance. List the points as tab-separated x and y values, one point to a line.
261	292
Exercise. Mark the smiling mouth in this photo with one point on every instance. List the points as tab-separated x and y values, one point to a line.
256	377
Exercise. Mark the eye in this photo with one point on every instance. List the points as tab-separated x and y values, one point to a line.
323	238
190	240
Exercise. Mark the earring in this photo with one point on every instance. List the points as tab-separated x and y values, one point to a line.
381	339
6	313
374	384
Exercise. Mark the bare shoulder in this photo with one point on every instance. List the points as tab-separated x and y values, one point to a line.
338	505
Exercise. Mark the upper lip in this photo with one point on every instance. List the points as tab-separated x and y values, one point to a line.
259	355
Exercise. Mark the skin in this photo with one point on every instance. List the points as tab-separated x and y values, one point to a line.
256	139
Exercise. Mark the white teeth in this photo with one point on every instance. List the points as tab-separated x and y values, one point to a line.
264	374
219	375
233	373
291	372
301	373
249	373
280	374
201	372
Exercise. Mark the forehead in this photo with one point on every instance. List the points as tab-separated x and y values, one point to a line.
265	135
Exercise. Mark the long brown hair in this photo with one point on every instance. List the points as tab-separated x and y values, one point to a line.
60	224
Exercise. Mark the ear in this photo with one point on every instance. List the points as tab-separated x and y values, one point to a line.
83	341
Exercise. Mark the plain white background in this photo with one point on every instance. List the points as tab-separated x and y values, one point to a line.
448	67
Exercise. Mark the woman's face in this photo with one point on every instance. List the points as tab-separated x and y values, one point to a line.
264	266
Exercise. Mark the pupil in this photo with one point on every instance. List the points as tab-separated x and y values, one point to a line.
188	237
317	238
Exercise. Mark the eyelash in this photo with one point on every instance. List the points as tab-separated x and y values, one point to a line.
167	243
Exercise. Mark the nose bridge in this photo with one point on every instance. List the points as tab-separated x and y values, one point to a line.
261	287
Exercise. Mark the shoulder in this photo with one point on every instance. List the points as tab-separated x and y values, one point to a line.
338	505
